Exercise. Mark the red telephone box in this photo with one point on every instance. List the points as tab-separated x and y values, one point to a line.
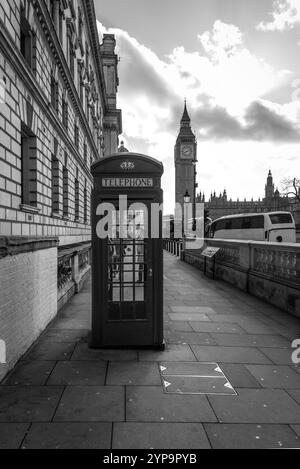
127	252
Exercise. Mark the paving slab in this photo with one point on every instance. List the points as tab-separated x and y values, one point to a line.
49	350
132	435
31	373
239	376
217	327
256	406
12	434
91	403
222	354
172	352
295	395
188	317
296	429
190	368
271	376
82	351
151	404
248	324
243	436
28	403
278	356
250	340
200	338
197	385
129	373
68	435
78	373
67	335
180	326
72	323
193	309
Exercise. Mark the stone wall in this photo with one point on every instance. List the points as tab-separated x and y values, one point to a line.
28	300
270	271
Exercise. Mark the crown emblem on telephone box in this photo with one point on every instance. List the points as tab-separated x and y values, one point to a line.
127	165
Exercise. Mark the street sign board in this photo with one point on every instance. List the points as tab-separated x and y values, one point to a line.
210	252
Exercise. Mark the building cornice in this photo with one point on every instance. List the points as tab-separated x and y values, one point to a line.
24	73
42	12
89	12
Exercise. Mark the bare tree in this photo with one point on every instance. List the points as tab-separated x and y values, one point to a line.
291	186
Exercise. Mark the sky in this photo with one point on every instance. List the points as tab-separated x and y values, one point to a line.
237	63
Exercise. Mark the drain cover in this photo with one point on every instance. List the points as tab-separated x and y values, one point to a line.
194	378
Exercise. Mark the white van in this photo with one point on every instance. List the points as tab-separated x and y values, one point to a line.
271	226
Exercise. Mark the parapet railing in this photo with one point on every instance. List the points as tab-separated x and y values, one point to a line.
72	267
174	246
276	260
268	270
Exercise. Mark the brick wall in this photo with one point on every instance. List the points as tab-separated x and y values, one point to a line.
28	300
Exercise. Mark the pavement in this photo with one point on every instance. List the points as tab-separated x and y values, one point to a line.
225	380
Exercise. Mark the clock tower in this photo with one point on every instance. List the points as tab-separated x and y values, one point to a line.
185	157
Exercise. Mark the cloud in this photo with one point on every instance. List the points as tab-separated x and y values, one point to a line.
222	41
224	83
285	15
259	123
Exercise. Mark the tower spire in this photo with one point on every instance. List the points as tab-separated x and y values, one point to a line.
185	120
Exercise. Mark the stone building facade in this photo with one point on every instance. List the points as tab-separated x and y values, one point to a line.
58	114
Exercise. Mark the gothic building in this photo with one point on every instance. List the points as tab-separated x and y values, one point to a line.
58	115
220	205
185	158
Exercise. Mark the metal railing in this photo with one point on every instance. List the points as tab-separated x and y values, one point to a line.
174	246
72	267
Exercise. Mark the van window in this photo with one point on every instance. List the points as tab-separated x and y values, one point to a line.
237	223
257	222
279	218
246	224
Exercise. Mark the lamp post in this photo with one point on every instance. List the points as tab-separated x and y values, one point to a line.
186	201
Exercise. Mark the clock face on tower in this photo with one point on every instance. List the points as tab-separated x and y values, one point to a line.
186	151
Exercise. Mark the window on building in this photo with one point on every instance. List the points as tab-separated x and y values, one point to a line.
54	93
65	112
52	9
80	24
55	188
66	197
71	58
87	107
85	212
27	41
60	24
28	168
87	58
76	135
76	199
85	152
80	85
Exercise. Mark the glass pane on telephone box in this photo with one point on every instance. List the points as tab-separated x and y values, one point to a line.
127	265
